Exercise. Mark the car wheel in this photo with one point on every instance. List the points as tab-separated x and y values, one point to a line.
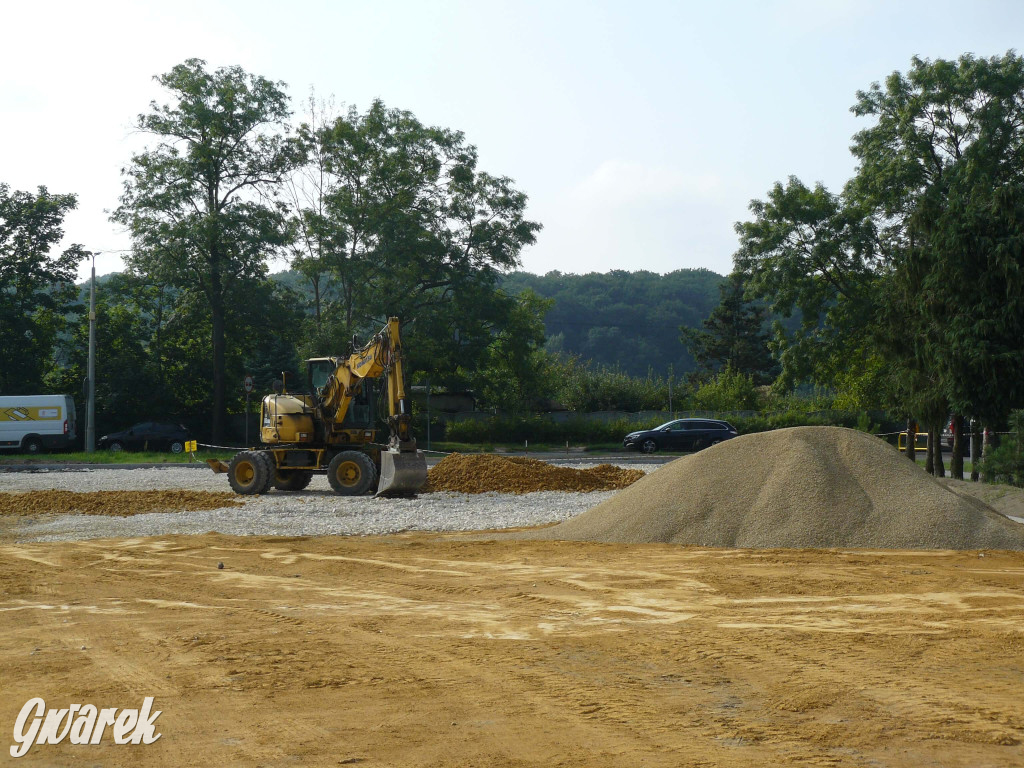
714	442
648	446
177	446
116	447
351	473
32	444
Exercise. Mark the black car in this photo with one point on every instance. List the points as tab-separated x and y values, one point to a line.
680	435
147	436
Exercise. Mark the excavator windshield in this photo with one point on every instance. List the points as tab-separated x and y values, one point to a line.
319	372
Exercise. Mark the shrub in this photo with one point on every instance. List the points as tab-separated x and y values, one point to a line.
729	390
1005	462
584	389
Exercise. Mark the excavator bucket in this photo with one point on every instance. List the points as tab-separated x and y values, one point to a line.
401	473
217	466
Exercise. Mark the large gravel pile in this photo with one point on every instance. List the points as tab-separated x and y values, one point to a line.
480	473
819	487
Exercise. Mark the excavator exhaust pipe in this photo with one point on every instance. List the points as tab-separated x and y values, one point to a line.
401	473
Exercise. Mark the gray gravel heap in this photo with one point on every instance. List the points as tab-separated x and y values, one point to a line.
820	487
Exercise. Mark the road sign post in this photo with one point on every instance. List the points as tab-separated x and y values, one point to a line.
247	384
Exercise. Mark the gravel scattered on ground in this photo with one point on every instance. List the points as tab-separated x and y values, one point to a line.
480	473
317	511
819	487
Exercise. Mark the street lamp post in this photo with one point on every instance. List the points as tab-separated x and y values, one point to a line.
90	408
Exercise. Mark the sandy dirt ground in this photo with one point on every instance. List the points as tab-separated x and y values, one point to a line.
427	650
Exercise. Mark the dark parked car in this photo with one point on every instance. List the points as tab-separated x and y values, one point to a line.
680	435
147	436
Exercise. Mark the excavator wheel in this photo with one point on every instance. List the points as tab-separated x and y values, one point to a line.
271	467
292	479
352	473
247	473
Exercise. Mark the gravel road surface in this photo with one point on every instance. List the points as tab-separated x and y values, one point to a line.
314	512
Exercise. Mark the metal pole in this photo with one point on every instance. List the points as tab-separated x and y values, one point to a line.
90	408
670	392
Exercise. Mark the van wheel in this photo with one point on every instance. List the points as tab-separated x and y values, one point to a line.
177	446
32	444
116	447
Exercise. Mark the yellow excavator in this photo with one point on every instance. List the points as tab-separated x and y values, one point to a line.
331	429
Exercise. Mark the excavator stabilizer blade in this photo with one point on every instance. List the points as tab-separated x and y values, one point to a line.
401	474
217	465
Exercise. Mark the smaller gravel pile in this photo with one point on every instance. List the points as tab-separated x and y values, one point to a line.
482	473
112	503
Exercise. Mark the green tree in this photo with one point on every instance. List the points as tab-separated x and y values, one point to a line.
199	203
514	371
942	168
127	365
406	224
734	335
36	286
810	252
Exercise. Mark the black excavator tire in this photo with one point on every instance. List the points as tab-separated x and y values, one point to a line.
352	473
292	479
247	473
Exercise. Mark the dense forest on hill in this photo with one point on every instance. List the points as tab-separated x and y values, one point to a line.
628	320
624	320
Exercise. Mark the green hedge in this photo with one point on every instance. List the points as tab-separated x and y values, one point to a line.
540	429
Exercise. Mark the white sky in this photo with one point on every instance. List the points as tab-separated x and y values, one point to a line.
640	130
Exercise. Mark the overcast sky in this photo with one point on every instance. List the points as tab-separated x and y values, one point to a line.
640	131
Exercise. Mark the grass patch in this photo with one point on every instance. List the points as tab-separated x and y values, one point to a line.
111	457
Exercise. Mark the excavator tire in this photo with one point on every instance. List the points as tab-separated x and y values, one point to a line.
352	473
268	462
247	473
292	479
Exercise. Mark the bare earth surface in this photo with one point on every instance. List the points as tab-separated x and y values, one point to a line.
420	650
898	642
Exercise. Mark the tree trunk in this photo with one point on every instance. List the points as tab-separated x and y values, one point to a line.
219	390
935	441
986	451
975	452
912	440
929	452
956	461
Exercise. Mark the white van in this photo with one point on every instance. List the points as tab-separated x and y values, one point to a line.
37	422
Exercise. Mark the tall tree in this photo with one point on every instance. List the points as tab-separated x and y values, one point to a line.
943	168
808	251
199	204
36	285
408	225
734	335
